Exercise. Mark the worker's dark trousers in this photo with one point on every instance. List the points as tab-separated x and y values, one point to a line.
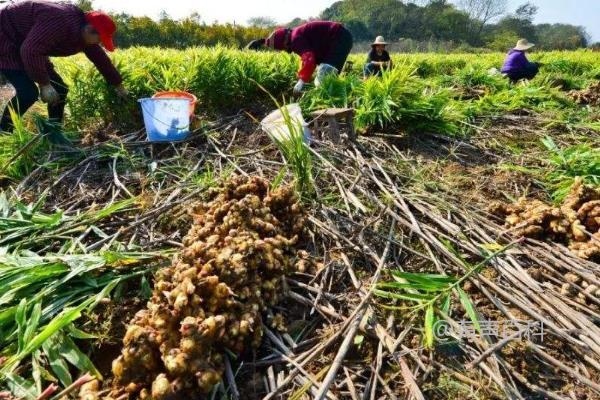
529	72
372	69
339	52
28	93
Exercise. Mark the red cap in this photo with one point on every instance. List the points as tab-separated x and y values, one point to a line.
104	25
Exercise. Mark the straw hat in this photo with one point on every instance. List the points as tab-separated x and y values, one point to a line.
379	40
523	45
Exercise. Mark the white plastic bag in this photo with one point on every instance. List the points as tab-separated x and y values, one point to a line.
275	124
493	72
322	71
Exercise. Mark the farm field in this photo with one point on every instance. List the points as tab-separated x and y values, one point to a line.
451	252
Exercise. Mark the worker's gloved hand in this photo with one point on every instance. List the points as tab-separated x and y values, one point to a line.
49	95
299	86
122	92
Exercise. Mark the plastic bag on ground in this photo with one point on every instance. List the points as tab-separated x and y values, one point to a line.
276	126
324	70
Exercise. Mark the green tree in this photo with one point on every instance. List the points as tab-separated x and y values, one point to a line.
394	19
296	22
502	41
262	22
85	5
520	24
446	22
561	36
482	12
527	12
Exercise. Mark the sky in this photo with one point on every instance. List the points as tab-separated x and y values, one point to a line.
577	12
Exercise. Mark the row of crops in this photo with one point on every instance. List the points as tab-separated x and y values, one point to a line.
433	92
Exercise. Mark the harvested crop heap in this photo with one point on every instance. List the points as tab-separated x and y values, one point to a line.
576	222
472	92
590	96
241	245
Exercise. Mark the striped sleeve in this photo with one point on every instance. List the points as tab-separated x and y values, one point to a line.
100	59
42	38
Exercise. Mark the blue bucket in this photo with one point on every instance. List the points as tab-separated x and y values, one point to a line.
166	120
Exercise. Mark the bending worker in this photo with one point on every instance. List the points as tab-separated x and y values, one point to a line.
318	43
516	66
378	58
33	31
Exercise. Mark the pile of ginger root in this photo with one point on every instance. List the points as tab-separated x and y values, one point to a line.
589	96
576	222
242	244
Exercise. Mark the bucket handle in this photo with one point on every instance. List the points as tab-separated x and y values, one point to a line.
163	122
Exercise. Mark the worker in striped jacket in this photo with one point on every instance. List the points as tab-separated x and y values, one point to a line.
33	31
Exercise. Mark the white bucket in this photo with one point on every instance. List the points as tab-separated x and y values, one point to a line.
166	120
275	126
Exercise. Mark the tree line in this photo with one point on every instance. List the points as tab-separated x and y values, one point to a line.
470	24
179	33
474	23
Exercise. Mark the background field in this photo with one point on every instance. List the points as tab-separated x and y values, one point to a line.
228	79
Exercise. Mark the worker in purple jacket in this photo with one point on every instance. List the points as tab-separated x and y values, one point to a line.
516	66
320	44
33	31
